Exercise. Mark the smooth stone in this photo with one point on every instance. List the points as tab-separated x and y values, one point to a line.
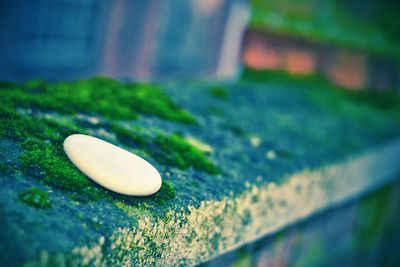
112	167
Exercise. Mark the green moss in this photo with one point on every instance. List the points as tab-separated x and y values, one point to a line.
176	151
4	168
171	150
133	206
284	154
43	157
6	84
132	138
50	164
250	74
41	136
133	210
386	101
13	125
62	127
35	84
235	129
167	192
215	110
98	95
35	197
218	92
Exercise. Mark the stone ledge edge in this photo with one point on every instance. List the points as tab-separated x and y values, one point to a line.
216	227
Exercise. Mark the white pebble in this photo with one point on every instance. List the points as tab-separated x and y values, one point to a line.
255	141
112	167
271	155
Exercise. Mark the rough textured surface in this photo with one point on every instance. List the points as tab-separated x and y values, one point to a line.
367	236
225	191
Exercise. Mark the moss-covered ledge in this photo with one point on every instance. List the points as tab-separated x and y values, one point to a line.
238	161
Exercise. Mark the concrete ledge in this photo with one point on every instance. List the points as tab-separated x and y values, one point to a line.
261	210
285	151
217	227
362	232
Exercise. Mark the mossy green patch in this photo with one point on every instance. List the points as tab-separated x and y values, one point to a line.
167	192
35	197
50	165
7	84
14	125
181	154
63	127
43	157
46	161
250	74
99	95
235	129
218	92
172	150
154	205
37	116
41	136
133	137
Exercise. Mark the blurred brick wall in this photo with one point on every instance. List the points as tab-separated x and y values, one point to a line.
351	69
346	68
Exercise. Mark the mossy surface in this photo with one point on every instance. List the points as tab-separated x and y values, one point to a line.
235	129
41	134
35	197
50	164
367	233
97	96
167	192
181	154
7	84
218	92
195	208
364	106
172	150
4	168
134	137
43	156
42	137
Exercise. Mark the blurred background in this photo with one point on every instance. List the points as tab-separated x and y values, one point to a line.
355	44
152	39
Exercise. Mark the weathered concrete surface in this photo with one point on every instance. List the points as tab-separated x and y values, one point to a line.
283	157
363	232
